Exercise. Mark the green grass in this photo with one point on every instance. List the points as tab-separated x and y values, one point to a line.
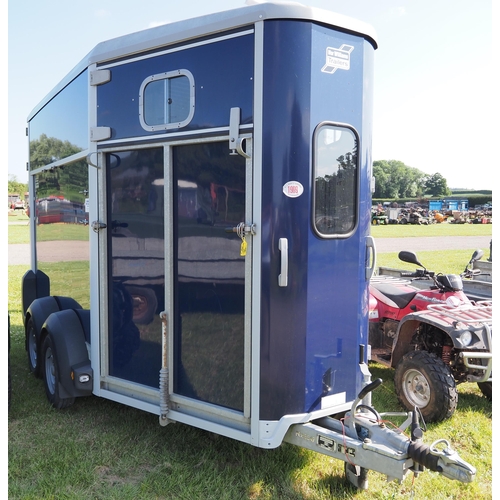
442	261
98	449
69	278
20	232
444	229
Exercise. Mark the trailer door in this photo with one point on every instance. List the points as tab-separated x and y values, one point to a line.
210	263
177	243
136	264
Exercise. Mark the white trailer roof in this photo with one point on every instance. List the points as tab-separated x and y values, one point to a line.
221	21
182	31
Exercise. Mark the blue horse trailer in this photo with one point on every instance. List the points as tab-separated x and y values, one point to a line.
206	187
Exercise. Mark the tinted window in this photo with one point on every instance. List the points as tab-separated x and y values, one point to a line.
167	100
62	231
335	180
60	128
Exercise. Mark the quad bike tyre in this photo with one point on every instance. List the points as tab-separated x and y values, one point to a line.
486	388
423	380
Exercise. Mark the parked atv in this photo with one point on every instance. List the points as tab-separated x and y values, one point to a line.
415	218
435	338
379	218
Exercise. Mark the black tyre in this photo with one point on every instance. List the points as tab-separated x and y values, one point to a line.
51	376
486	389
144	302
33	349
424	380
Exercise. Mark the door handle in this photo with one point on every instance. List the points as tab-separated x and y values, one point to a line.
283	247
371	257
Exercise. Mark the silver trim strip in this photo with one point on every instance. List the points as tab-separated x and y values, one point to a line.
176	136
257	239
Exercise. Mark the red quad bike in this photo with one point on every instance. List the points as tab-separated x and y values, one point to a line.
435	337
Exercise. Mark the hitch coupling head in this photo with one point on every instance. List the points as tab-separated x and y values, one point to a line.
445	460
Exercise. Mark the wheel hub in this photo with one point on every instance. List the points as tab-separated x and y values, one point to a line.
417	388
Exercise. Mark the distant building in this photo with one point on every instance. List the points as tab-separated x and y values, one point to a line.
461	205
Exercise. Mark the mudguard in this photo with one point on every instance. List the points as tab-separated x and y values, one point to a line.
35	284
40	309
451	320
67	330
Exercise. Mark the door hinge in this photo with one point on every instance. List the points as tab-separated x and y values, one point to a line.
100	76
100	133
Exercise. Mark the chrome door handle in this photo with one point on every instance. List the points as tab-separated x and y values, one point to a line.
283	247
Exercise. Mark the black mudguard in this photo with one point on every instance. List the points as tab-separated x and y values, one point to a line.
40	309
35	284
68	330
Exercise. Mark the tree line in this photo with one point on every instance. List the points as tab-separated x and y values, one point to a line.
395	180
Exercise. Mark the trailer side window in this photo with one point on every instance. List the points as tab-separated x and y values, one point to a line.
166	100
62	232
60	129
335	180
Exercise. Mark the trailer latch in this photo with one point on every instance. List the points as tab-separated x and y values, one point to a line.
235	141
97	226
243	229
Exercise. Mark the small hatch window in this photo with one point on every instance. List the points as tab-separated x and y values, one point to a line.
166	100
335	180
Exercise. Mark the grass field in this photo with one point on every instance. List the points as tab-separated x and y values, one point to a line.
445	229
98	449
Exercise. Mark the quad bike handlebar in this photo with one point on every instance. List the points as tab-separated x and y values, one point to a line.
450	282
419	273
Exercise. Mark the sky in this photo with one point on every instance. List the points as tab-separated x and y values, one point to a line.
433	95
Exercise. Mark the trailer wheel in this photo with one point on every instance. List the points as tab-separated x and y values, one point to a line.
424	380
486	389
51	376
145	304
33	349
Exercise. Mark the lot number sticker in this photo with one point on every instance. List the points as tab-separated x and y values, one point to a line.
293	189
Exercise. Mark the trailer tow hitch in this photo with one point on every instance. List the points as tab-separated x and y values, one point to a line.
364	442
445	461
